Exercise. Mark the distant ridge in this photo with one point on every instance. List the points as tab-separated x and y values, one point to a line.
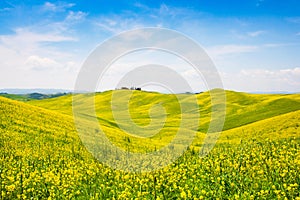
34	90
273	92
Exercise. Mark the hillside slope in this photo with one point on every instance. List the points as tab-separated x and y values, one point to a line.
241	108
39	126
22	125
274	128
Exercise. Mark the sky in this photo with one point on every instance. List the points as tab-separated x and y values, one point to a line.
254	44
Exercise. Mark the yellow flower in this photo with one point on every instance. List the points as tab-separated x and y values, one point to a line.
183	195
10	188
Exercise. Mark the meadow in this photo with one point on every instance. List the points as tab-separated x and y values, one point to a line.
256	157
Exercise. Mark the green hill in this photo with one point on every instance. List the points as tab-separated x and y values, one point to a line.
15	97
274	128
24	124
241	108
31	96
246	115
245	108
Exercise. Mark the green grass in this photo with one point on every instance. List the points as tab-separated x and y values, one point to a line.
241	108
243	112
15	97
31	96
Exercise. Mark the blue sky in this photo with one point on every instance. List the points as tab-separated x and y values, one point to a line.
254	44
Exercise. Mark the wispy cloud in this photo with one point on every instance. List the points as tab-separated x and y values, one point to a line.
263	80
75	16
27	47
58	7
256	33
272	73
230	49
283	76
162	16
40	63
246	35
5	9
116	24
37	47
274	45
24	38
234	49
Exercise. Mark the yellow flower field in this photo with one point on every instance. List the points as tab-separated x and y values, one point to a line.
42	157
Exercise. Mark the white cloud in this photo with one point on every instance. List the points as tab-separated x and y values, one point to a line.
23	35
49	6
246	35
34	54
40	63
76	16
271	45
59	7
162	16
163	9
65	26
117	24
255	33
5	9
72	66
233	49
166	11
286	76
263	80
291	72
27	42
230	49
29	56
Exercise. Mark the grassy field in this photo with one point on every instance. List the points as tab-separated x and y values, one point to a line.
256	157
31	96
15	97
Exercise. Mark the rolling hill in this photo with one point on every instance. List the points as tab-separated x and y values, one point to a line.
247	116
34	128
241	108
31	96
